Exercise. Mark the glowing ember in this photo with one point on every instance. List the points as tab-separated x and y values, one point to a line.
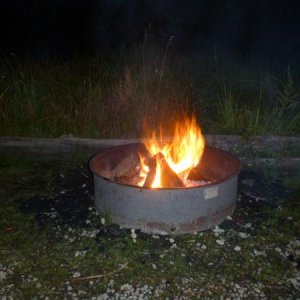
182	154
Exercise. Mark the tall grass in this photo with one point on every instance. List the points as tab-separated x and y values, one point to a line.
93	97
260	114
113	97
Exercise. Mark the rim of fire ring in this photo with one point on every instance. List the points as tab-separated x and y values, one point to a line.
103	152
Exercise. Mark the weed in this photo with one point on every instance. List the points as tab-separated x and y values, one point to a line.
111	97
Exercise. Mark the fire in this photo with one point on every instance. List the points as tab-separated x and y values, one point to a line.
182	154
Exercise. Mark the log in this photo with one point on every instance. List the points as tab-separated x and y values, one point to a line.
237	144
282	151
169	177
151	163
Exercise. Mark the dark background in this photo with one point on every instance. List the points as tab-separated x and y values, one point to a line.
246	31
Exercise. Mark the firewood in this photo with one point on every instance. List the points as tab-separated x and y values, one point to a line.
169	177
126	167
151	163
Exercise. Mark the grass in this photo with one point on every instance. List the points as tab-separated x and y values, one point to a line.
42	254
111	97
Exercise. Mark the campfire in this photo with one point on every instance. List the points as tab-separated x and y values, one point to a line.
176	184
165	164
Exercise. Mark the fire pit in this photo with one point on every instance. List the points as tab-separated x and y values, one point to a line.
205	202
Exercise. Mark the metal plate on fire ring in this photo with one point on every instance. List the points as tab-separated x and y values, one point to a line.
166	210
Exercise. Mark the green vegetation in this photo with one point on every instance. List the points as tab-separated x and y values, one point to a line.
112	97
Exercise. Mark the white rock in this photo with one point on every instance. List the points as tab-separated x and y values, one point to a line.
260	253
220	242
243	235
237	248
76	275
217	229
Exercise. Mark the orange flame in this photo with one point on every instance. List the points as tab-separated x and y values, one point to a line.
182	154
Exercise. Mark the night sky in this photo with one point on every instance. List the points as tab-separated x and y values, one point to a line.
265	31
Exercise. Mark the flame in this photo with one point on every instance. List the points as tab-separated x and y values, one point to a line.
182	154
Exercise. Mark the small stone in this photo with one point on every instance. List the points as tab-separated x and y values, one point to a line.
243	235
154	266
172	240
237	248
155	236
102	221
259	253
217	230
203	247
229	218
76	275
220	242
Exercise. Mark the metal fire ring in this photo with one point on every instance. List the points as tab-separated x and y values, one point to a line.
166	210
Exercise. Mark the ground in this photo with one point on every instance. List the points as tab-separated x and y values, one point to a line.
54	244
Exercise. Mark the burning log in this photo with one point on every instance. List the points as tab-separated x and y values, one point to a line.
151	163
169	178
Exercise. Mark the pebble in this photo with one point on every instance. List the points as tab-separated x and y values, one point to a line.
237	248
76	275
217	231
260	253
243	235
220	242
